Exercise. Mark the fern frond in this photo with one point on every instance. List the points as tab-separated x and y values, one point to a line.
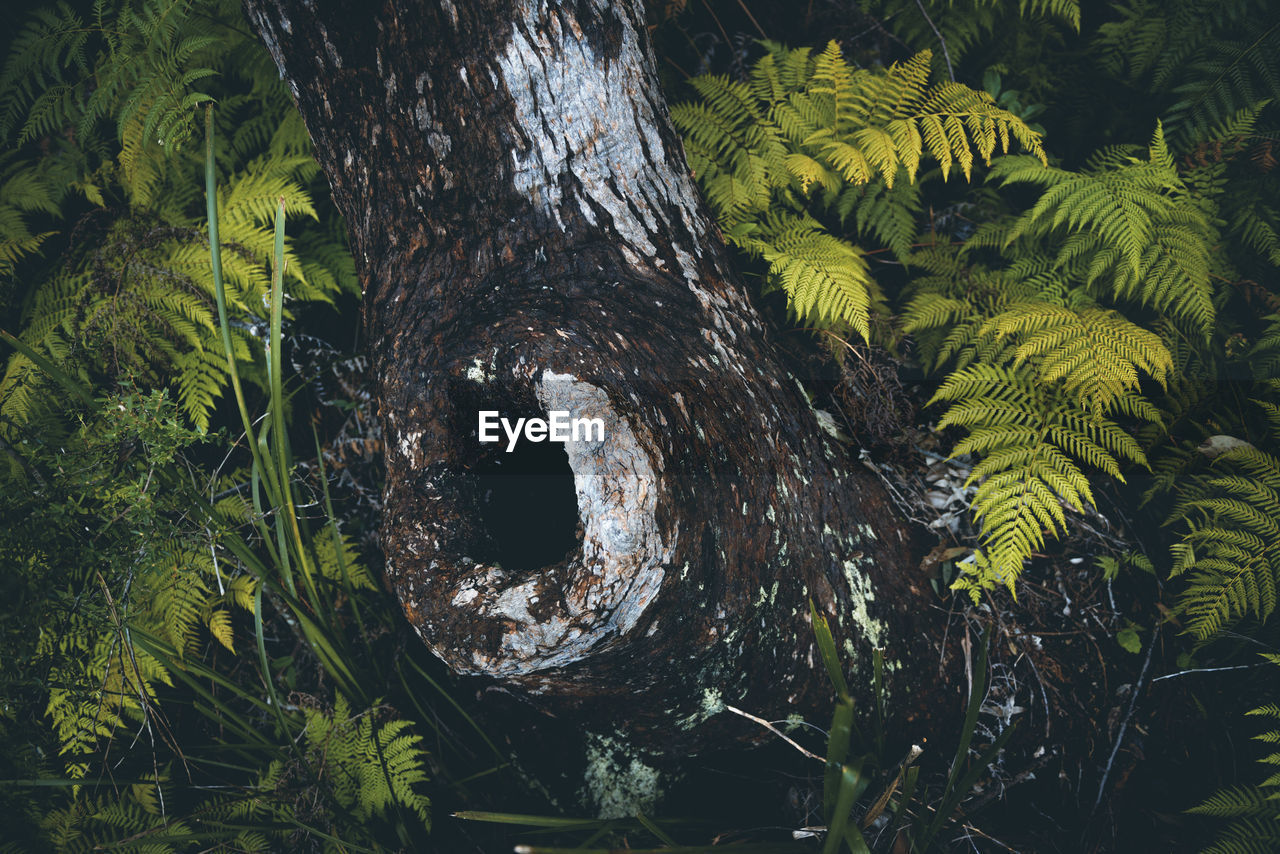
50	44
1118	207
1129	229
1237	801
1095	354
1230	76
338	560
826	279
1231	550
812	132
24	192
1028	425
1254	810
371	766
964	24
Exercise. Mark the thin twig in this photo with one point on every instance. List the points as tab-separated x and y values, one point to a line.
728	41
1048	713
776	732
945	53
1133	702
972	829
755	23
1210	670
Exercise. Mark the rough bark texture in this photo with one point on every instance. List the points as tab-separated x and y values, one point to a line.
530	239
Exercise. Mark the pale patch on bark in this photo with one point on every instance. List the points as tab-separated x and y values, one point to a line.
617	503
617	781
861	593
589	114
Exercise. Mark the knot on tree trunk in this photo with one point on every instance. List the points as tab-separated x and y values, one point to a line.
506	597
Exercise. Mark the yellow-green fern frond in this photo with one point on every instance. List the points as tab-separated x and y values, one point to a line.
1119	208
810	135
947	310
825	278
99	685
148	300
1094	354
187	593
371	765
44	55
338	560
1174	274
1033	441
1129	229
934	311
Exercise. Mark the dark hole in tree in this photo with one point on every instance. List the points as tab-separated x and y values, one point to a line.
528	504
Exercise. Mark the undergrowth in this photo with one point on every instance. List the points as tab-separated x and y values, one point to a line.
1094	317
199	657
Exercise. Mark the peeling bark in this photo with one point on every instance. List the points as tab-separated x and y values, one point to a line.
529	239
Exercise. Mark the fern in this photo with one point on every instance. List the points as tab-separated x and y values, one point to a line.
1231	548
819	136
1254	810
141	300
100	681
43	56
1035	335
147	598
1042	377
964	24
24	193
1204	60
1129	229
825	278
146	591
1034	440
370	765
1095	354
1265	353
337	560
142	73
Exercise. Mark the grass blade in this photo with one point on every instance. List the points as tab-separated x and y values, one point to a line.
827	649
840	829
977	694
219	287
837	754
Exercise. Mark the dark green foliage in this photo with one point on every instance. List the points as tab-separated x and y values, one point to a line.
1097	309
953	28
1108	314
1100	306
147	577
134	293
1205	60
1253	811
150	588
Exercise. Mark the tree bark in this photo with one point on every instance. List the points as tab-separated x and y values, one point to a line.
529	239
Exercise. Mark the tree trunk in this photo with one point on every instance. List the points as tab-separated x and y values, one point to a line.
530	240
